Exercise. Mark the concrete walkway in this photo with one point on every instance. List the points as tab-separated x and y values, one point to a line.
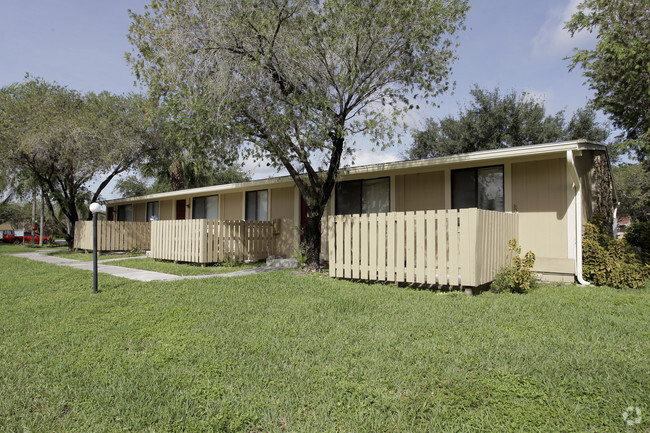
130	273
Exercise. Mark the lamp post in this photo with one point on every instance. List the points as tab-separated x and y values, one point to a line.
95	208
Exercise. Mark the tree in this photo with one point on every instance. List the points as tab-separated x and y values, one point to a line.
192	148
15	213
494	120
633	191
134	186
294	79
65	141
618	68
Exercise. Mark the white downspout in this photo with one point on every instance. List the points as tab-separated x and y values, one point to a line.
578	207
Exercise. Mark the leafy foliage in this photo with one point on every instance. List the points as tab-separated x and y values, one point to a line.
610	262
293	80
64	141
134	186
518	277
17	214
494	120
638	235
618	68
633	190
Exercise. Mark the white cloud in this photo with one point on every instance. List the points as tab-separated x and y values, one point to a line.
363	157
553	40
259	169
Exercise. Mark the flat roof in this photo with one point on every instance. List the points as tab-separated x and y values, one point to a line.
483	155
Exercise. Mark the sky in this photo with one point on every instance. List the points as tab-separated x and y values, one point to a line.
511	44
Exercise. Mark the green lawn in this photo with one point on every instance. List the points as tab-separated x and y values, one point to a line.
83	256
27	248
183	268
280	352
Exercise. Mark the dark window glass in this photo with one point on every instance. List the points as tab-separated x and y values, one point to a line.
363	196
153	211
463	188
205	207
348	197
125	212
478	187
257	205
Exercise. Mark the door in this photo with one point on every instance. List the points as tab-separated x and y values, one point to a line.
180	209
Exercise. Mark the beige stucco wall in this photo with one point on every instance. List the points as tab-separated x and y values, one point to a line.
140	212
282	202
539	194
420	191
166	209
232	208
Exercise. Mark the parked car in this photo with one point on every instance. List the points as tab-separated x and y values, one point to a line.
5	232
26	237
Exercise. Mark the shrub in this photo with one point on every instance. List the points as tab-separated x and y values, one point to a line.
517	277
611	262
638	235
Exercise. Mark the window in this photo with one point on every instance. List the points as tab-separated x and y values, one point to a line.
480	187
257	205
125	212
206	207
153	211
363	196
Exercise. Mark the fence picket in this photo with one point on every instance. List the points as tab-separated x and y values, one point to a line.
420	247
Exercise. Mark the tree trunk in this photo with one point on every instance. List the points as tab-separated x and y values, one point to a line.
178	176
33	217
42	220
312	235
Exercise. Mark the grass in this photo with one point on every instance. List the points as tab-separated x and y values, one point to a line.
281	352
27	248
183	268
80	255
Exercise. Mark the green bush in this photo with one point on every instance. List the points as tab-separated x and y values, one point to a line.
611	262
638	235
517	277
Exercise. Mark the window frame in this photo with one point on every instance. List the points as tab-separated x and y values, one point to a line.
156	214
338	185
257	208
125	206
475	170
205	210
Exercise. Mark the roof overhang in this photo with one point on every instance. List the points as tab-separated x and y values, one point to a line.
537	150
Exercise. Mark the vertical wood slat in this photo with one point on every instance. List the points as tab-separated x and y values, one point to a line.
363	247
208	241
381	247
431	259
372	247
410	246
448	247
441	237
420	247
340	248
113	235
391	247
452	232
400	248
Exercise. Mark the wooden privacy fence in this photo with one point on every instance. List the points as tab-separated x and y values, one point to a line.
448	247
113	235
210	241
